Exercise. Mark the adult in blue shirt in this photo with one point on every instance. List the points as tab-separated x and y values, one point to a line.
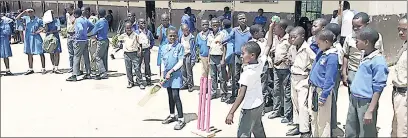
189	19
82	27
161	33
227	13
146	40
238	36
260	19
101	29
53	28
5	49
33	42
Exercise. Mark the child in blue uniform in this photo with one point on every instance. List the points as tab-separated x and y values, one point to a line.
33	41
5	49
230	53
322	78
53	28
201	43
187	41
172	60
368	84
238	36
161	33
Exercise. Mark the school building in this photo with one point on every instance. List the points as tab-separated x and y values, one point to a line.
384	14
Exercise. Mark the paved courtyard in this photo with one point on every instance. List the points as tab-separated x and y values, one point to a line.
46	105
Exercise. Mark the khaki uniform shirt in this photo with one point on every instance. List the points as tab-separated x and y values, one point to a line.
281	47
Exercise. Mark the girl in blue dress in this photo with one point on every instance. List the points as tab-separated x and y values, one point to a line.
172	55
32	39
5	49
53	28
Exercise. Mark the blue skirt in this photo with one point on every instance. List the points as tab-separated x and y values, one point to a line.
176	80
33	44
5	49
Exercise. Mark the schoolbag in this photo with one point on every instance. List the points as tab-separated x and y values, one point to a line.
50	43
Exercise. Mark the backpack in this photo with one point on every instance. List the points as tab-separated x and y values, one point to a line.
50	43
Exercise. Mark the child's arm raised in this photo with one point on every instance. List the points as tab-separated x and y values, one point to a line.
269	41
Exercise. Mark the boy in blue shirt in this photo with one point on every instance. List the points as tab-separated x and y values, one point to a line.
146	40
368	83
201	43
322	78
101	31
187	41
229	55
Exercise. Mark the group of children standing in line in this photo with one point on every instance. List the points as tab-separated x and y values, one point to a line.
301	76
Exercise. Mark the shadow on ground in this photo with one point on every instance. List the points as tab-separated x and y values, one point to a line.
188	117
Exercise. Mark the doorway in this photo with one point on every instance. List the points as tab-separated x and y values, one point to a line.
151	16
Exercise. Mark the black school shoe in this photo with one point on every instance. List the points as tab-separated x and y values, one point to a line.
8	73
29	72
223	97
130	85
231	100
169	120
306	135
72	78
180	125
293	132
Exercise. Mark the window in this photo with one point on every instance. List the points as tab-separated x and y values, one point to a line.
311	9
260	1
183	1
209	1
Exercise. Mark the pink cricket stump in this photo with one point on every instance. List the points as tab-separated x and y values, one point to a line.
199	103
208	106
203	98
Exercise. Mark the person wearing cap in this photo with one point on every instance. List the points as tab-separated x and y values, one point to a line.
33	42
100	56
82	27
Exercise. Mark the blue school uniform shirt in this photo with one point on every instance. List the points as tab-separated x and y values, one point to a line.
227	16
260	20
135	27
201	43
313	44
186	19
230	48
171	54
82	27
371	76
149	35
240	38
324	71
164	41
192	47
101	29
33	42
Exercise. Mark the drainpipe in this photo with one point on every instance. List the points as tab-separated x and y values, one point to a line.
127	6
170	10
97	6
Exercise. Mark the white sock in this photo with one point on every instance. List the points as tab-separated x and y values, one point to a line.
7	70
30	69
172	115
43	69
56	67
181	119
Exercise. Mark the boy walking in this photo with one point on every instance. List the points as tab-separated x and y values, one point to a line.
322	80
146	39
363	107
187	41
132	55
254	60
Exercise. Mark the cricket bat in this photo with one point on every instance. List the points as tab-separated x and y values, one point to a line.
156	88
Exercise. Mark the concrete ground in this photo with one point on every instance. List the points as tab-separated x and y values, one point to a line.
46	105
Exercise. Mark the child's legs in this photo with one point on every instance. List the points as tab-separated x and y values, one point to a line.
189	71
352	123
223	78
136	67
334	101
399	122
177	101
258	129
366	130
204	62
128	64
184	72
236	75
172	104
146	59
324	117
214	61
295	102
287	94
313	114
278	91
303	118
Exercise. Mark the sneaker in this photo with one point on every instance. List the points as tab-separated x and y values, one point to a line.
231	100
8	73
285	120
190	89
223	97
43	71
130	85
29	72
169	120
142	87
112	56
72	78
180	125
293	132
57	71
273	115
306	135
87	76
70	70
98	77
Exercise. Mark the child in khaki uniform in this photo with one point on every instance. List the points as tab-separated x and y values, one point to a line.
399	94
